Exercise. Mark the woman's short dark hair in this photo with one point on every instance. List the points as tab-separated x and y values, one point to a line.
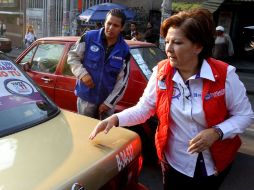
117	13
197	25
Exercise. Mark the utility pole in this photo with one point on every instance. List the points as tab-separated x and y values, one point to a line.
22	5
166	11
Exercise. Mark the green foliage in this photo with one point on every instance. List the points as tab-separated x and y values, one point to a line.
180	6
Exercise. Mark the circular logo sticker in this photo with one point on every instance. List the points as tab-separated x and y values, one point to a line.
94	48
18	87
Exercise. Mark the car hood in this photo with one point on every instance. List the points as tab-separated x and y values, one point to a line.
58	153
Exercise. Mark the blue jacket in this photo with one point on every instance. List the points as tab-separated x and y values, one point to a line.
103	72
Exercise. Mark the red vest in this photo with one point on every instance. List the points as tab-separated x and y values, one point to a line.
214	105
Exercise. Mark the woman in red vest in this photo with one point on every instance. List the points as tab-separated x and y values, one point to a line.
200	102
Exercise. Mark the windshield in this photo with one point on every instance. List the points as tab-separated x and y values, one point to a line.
22	104
147	58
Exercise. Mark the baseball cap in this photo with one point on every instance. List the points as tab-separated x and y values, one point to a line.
220	28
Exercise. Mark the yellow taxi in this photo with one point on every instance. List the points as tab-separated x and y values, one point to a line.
43	147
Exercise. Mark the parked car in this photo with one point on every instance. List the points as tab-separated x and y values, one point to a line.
5	44
47	64
248	42
44	147
47	60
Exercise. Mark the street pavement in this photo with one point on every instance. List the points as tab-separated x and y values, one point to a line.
15	52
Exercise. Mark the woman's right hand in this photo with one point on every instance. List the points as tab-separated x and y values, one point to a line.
105	125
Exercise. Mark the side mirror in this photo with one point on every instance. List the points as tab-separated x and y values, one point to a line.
25	66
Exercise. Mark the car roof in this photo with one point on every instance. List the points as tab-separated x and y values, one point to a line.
131	43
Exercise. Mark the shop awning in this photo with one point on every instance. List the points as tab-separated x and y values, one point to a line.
212	5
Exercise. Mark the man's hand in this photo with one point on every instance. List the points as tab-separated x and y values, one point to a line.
88	81
104	125
203	141
103	108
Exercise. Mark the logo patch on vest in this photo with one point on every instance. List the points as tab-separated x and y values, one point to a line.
197	95
162	85
215	94
117	58
176	93
94	48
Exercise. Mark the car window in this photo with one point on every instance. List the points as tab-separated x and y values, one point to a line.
28	56
248	34
67	69
47	57
147	58
22	103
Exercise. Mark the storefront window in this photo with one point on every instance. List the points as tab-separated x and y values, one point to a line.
6	2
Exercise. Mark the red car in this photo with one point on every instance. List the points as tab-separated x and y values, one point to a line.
48	67
47	60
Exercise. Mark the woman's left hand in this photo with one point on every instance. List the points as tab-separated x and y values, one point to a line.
203	141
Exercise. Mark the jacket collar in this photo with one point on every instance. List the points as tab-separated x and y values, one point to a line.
205	73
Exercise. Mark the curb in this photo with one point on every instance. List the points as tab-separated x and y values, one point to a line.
15	53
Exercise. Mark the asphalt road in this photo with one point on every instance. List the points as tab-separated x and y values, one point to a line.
241	176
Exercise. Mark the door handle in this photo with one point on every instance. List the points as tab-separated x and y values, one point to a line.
46	79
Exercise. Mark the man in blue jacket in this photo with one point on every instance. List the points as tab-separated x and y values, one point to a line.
99	60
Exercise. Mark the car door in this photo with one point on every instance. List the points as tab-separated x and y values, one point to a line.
44	59
65	83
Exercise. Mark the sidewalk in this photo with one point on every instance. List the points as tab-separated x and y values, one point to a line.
15	52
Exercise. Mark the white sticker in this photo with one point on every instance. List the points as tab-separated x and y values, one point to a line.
94	48
124	157
18	87
12	81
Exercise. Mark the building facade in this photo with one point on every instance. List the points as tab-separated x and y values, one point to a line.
60	17
46	16
233	15
12	15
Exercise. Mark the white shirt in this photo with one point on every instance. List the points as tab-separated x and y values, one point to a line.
30	37
188	115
